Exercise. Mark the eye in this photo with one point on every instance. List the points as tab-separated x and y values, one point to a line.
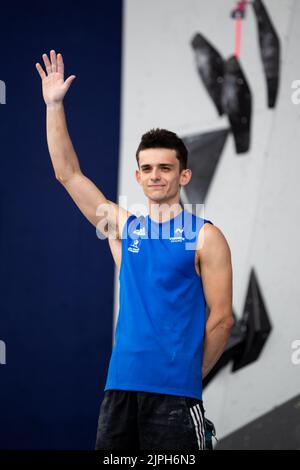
166	169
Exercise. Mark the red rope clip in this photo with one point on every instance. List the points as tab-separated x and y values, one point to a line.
239	14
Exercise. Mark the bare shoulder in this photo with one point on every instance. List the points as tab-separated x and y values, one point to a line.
212	243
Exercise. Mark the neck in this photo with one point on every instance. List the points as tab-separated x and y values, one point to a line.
163	211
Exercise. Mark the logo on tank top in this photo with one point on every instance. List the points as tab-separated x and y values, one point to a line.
140	231
134	246
178	236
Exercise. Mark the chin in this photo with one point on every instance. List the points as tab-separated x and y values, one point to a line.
159	200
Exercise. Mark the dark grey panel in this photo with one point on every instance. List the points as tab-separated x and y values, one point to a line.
257	324
269	50
204	153
210	66
237	103
248	335
275	430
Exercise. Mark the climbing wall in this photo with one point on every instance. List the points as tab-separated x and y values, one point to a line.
253	197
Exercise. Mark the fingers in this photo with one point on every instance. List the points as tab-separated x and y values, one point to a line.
47	63
40	71
69	81
60	64
53	61
56	64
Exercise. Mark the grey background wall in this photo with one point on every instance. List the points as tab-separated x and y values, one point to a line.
254	198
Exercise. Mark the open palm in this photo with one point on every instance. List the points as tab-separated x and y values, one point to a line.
54	85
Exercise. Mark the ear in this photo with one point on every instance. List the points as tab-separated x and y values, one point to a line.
185	177
138	176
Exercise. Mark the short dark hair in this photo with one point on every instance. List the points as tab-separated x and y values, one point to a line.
162	138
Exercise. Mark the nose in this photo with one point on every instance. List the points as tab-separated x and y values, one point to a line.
155	175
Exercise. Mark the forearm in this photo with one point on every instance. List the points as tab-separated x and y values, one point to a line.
62	153
216	337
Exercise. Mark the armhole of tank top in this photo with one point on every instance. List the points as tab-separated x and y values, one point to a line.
206	221
125	228
132	216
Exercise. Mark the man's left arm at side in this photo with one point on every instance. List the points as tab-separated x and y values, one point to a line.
216	273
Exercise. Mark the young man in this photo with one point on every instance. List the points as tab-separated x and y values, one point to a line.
173	263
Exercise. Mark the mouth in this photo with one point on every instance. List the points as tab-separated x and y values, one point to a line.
157	186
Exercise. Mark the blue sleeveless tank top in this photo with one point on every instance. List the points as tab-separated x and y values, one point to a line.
162	310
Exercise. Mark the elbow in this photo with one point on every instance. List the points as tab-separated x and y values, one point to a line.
223	320
227	319
228	323
62	179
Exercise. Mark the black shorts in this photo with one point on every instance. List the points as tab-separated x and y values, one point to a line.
150	421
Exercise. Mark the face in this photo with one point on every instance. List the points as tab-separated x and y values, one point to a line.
159	175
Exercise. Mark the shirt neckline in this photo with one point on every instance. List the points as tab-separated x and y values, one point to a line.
166	221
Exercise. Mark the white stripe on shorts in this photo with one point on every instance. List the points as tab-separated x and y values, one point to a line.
199	425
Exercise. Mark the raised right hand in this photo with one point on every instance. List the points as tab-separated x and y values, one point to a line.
53	83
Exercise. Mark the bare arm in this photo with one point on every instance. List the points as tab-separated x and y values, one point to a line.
216	273
90	200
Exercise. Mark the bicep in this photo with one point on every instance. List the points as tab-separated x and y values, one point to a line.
216	271
100	212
